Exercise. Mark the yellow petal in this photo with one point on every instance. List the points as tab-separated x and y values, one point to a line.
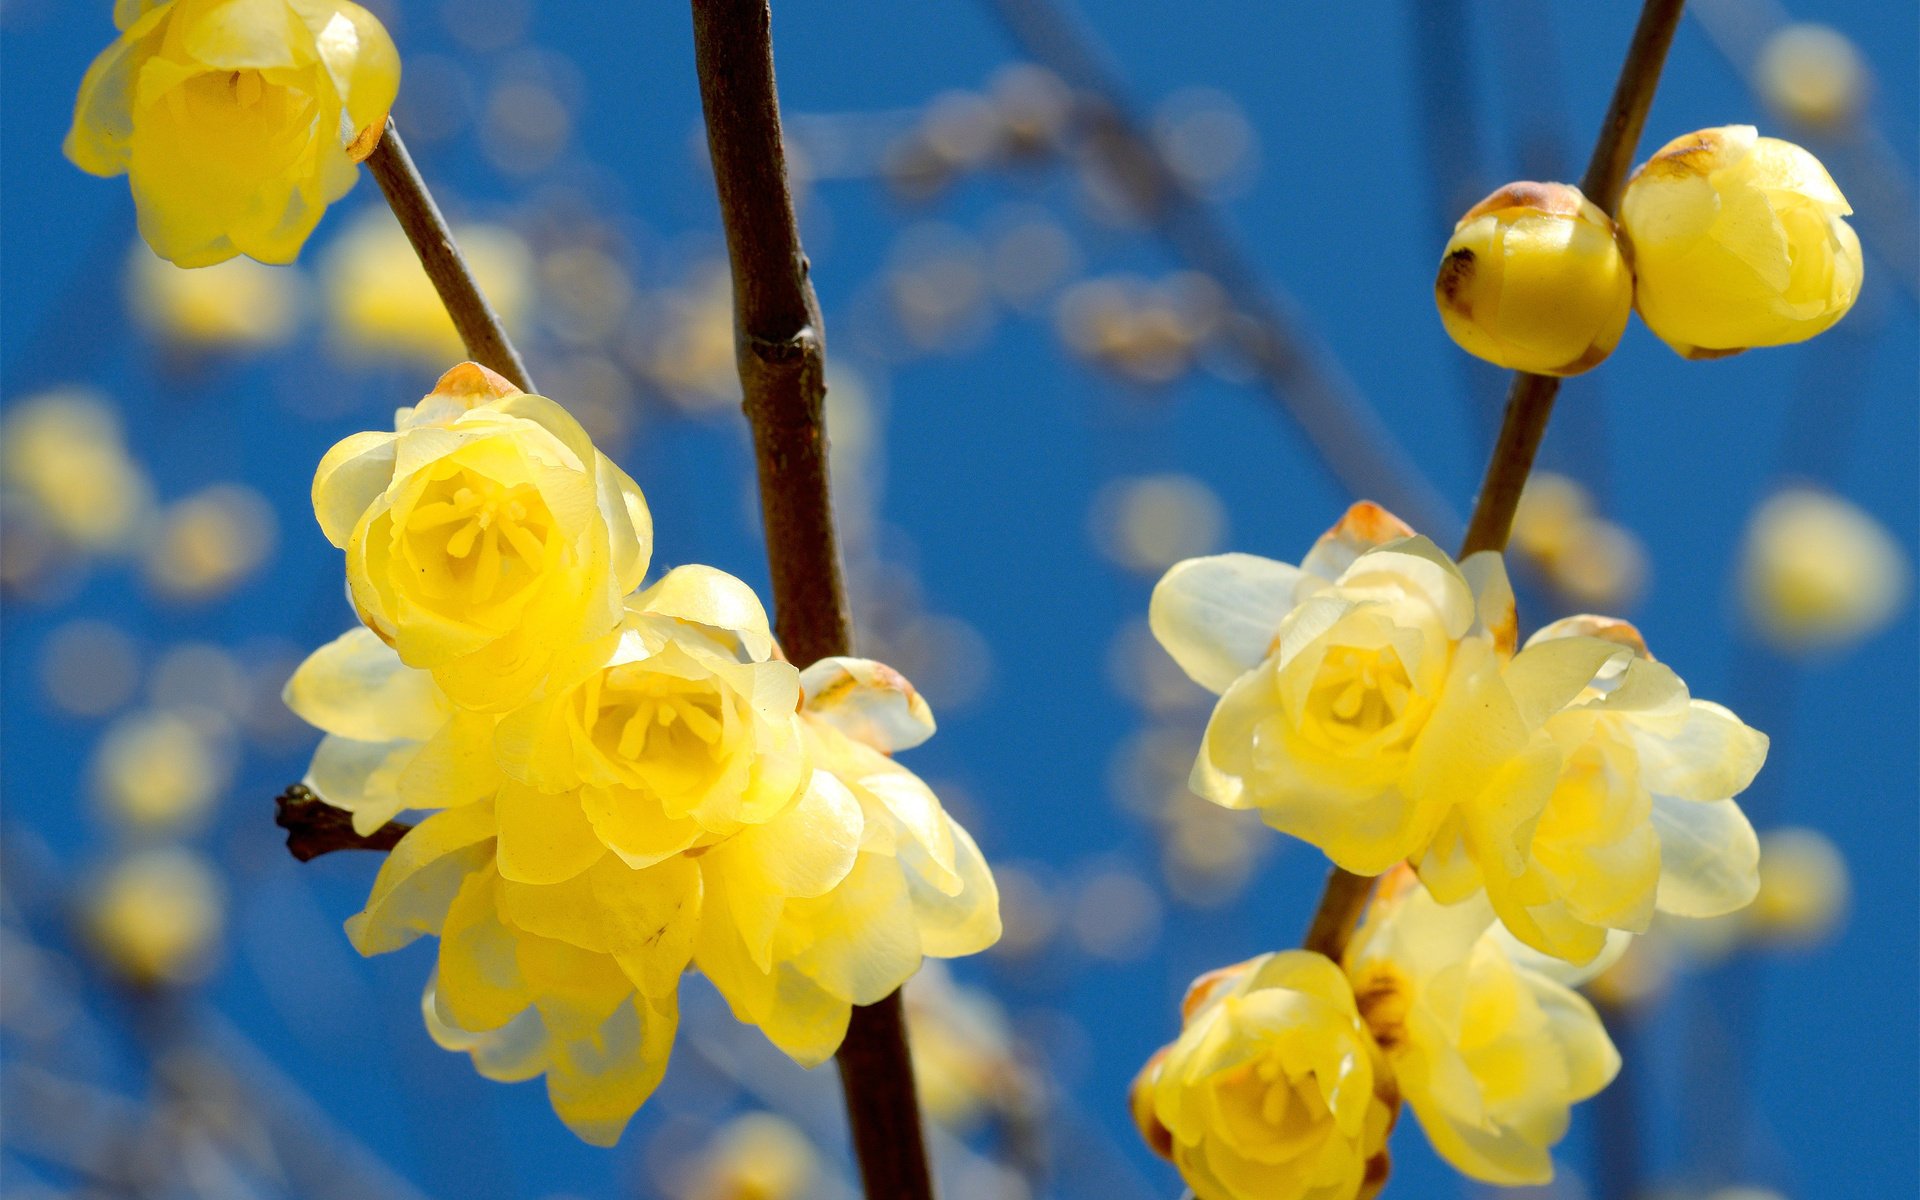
356	687
1709	857
1220	616
420	877
544	838
868	701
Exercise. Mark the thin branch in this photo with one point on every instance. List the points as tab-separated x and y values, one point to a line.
779	347
315	827
1530	399
479	326
1353	441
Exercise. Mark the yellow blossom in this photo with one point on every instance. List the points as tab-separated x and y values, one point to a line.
1820	573
1490	1051
1640	815
1274	1090
162	770
237	121
238	303
965	1060
1361	692
483	536
672	732
1738	241
209	542
835	901
1533	279
1813	74
1803	887
156	917
381	302
757	1156
64	452
577	981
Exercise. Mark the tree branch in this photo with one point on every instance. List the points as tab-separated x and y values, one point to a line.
1530	398
315	827
479	326
781	355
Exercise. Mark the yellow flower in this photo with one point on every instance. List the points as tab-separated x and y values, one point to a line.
1813	74
1490	1051
576	981
1533	279
1274	1090
237	121
1820	573
1738	241
670	733
1640	815
483	536
232	304
1803	888
64	452
835	901
1361	693
156	917
756	1156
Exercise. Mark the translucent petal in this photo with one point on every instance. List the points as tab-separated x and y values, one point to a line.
596	1084
1361	528
420	877
868	701
1709	857
356	687
351	478
1714	756
1219	616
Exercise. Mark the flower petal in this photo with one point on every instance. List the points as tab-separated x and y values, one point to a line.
1218	616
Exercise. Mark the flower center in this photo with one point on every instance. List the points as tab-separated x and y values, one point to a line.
488	538
654	729
1359	692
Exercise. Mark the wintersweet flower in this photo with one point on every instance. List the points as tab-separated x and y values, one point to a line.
1489	1050
1640	815
484	535
576	981
1819	573
673	731
237	121
836	901
1737	241
1533	279
1274	1089
1361	697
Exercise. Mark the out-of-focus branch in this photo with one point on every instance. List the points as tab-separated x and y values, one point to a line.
1310	386
479	326
315	827
780	350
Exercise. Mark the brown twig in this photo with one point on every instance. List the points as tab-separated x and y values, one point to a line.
1530	399
479	326
315	827
781	355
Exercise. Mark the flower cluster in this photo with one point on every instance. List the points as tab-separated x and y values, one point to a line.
1375	702
621	783
236	121
1726	240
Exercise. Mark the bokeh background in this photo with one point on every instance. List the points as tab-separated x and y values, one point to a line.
1039	403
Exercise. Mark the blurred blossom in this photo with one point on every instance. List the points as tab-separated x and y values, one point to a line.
1591	561
1204	135
585	293
486	25
758	1156
1149	333
1033	106
162	770
1148	523
961	128
1147	675
64	455
1812	74
382	304
1820	573
1030	915
1639	976
686	349
1116	915
89	668
1803	888
200	675
937	288
1207	853
964	1059
210	542
155	918
1029	256
238	303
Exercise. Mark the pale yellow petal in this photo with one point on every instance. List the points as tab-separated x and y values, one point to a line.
1220	616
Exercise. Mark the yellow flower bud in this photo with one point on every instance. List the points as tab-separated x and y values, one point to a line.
484	536
1490	1048
1533	279
238	121
1813	74
1360	692
1738	241
156	918
1274	1089
1819	573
